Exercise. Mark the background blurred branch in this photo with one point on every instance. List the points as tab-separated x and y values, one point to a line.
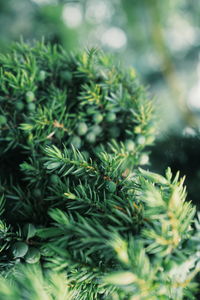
169	71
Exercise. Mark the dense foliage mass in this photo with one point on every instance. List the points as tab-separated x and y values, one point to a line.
74	204
48	96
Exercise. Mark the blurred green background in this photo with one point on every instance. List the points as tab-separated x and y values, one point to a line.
159	38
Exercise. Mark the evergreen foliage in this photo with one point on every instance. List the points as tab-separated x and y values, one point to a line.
48	96
79	219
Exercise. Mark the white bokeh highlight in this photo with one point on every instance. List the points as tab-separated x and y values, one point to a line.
72	15
114	37
194	97
98	11
45	1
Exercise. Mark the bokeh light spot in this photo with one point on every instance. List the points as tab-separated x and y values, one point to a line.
98	11
44	1
194	97
72	15
114	37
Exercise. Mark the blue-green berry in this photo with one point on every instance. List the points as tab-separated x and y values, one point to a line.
30	96
96	129
130	145
76	141
19	105
91	137
42	75
82	128
19	249
144	159
98	118
31	106
32	256
141	140
110	117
